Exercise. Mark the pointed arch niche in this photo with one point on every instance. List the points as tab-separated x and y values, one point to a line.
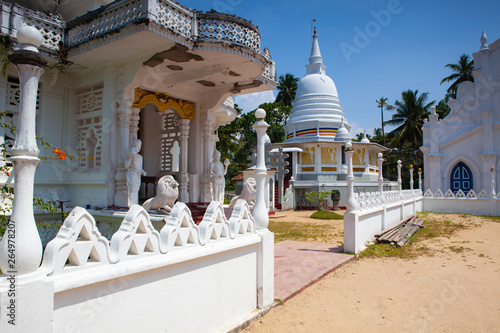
461	178
163	127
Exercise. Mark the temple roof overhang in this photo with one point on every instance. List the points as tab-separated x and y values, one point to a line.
183	47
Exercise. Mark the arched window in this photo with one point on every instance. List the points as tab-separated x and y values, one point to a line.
461	178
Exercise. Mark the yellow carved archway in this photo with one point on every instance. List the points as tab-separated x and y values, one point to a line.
163	102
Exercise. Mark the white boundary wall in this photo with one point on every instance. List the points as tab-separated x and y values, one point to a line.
472	203
185	278
375	213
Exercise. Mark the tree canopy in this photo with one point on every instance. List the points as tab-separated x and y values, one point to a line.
462	71
409	115
287	88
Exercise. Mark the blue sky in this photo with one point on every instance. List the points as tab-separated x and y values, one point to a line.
406	46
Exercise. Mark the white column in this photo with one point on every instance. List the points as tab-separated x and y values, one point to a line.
184	176
124	113
295	162
26	296
259	212
400	188
351	203
411	177
206	195
21	239
420	179
380	161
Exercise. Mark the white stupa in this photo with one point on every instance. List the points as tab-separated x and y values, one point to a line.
317	114
316	136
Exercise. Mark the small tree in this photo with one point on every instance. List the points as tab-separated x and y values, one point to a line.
318	198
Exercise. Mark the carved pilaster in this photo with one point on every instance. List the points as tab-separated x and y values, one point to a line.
134	123
184	176
206	195
124	113
434	172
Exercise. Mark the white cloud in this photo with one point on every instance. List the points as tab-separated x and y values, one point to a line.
355	129
250	102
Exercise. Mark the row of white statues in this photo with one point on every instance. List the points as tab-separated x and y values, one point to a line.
167	190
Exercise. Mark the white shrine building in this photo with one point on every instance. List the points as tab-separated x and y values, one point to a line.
316	134
126	69
461	150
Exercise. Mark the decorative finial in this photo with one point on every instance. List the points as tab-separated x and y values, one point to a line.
315	35
348	145
483	40
29	38
433	110
260	114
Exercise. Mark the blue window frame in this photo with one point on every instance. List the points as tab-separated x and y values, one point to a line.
461	178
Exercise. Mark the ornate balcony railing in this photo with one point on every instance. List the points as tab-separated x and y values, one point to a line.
192	25
220	27
98	23
14	16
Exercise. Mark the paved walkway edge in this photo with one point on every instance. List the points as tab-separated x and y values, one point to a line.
310	283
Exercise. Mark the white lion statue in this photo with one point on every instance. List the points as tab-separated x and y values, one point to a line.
249	193
167	192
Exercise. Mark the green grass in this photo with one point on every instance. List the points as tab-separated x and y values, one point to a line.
298	231
433	229
326	215
492	218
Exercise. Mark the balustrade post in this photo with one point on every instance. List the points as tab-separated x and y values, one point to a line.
260	213
420	179
400	189
411	177
21	239
351	203
380	161
26	296
265	253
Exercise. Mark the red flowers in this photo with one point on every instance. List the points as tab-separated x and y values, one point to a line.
61	154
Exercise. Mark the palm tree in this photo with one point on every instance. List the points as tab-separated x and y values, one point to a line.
409	116
462	71
381	103
287	88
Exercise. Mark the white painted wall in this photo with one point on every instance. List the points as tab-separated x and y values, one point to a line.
362	224
198	291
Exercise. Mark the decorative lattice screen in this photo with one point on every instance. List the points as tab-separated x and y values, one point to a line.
170	142
89	122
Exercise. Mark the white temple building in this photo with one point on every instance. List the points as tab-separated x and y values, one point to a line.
316	134
130	69
461	150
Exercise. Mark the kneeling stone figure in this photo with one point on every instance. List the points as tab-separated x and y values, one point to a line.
166	194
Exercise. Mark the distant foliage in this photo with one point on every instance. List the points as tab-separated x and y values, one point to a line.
319	198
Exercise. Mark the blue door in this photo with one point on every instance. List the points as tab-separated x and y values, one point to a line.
461	178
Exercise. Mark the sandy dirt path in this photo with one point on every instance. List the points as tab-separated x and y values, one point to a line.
455	290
